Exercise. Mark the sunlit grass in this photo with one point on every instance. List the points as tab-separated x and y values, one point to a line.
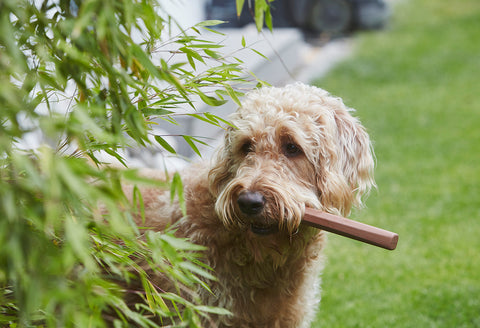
415	86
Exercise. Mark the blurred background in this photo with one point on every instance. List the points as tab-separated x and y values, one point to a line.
415	87
315	18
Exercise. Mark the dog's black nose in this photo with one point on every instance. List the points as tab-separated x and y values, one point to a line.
251	202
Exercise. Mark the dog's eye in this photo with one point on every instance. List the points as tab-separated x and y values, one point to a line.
291	150
247	147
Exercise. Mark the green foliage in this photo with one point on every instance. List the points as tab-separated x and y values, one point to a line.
415	86
261	12
88	77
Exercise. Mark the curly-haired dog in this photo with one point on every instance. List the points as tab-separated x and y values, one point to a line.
292	147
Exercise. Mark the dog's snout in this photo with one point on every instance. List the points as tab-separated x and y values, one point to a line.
251	202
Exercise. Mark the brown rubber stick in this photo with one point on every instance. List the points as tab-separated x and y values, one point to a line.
350	228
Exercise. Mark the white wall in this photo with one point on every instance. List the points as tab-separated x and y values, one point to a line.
186	12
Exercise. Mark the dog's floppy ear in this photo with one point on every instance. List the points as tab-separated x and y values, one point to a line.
355	156
346	162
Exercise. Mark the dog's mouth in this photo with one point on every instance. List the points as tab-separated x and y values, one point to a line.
263	230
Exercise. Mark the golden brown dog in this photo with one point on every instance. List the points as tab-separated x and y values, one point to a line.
292	147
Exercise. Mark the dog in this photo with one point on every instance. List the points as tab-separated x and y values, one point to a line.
292	147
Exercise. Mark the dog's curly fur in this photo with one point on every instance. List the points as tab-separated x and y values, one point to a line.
292	147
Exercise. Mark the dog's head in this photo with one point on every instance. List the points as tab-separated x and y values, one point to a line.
292	147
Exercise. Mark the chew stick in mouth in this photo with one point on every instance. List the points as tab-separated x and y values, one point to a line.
350	228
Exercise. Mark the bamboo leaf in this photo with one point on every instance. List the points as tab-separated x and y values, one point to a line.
138	202
209	100
206	46
259	13
260	54
177	190
268	18
162	142
197	270
203	118
143	59
192	53
211	30
191	61
239	4
217	118
133	176
181	243
232	94
209	23
214	310
191	142
77	238
211	53
147	111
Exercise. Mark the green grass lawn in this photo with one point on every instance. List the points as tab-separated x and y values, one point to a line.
416	87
